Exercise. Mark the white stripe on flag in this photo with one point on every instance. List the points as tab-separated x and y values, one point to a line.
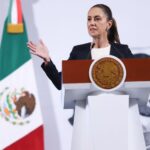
14	18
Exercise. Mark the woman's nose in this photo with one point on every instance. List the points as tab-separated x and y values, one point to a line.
92	22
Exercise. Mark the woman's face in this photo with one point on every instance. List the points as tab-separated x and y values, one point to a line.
97	23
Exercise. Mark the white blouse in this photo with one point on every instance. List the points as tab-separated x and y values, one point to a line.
99	52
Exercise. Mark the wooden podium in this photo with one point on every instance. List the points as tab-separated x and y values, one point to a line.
94	128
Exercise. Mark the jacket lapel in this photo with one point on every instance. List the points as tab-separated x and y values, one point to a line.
89	56
115	51
89	51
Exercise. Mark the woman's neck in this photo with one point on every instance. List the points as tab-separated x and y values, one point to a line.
100	43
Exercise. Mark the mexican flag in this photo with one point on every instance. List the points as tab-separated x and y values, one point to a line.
21	124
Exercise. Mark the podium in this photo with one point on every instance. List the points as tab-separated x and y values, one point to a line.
106	124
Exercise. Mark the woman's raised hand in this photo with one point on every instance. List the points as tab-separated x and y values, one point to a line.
39	49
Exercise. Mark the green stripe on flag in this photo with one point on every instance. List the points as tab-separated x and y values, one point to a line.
13	51
9	11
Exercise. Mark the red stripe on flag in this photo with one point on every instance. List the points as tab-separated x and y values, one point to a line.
33	141
19	10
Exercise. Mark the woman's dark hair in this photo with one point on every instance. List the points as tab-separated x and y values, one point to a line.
113	35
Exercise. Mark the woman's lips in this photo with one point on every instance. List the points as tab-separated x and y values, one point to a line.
92	29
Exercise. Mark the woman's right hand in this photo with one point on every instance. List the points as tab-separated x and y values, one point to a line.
39	49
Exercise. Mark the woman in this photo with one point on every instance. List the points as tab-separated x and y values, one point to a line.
102	28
